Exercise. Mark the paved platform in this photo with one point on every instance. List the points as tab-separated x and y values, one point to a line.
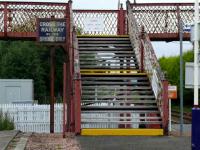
6	137
134	143
186	129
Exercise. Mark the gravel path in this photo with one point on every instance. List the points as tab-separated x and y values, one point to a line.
51	142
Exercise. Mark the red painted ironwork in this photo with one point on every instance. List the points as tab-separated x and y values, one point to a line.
77	85
110	18
161	19
142	49
52	55
18	19
64	98
165	105
121	21
150	62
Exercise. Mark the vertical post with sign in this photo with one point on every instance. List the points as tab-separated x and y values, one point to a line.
196	110
52	31
172	94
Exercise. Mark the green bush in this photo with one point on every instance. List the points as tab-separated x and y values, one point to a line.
171	67
6	123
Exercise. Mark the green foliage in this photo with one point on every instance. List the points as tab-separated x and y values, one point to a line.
28	60
79	30
6	123
171	67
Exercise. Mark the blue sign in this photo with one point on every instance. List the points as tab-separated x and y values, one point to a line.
52	30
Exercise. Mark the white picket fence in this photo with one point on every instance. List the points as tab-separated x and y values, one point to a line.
34	118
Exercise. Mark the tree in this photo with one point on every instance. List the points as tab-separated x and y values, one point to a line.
171	66
21	60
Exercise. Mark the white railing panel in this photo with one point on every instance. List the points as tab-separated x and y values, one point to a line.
33	118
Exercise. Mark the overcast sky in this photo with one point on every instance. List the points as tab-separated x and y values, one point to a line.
161	48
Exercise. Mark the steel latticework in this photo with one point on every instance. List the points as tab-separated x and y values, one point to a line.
161	20
18	19
109	18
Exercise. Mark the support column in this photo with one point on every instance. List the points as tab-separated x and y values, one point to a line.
68	93
121	21
165	106
64	98
52	55
77	105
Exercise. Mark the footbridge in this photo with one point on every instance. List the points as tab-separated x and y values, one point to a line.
113	82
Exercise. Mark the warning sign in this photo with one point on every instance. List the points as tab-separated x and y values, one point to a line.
172	92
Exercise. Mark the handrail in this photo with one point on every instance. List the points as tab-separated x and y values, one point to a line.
142	46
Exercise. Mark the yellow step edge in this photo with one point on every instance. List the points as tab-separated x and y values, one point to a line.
103	35
122	132
109	70
139	74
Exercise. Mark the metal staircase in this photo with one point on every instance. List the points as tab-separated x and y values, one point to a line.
115	94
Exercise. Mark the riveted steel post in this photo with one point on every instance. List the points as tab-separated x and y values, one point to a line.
121	21
64	97
52	55
165	106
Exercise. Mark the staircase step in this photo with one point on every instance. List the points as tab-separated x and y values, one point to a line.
141	112
111	72
103	42
106	63
105	55
122	132
118	87
125	118
106	45
100	52
106	49
119	101
113	83
104	39
107	67
114	93
100	59
153	107
133	79
119	96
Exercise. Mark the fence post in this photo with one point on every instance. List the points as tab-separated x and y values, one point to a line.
121	21
165	106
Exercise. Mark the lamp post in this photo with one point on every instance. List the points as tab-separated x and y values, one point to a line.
181	75
196	110
196	53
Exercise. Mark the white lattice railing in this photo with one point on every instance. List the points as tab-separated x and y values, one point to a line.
33	118
151	65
